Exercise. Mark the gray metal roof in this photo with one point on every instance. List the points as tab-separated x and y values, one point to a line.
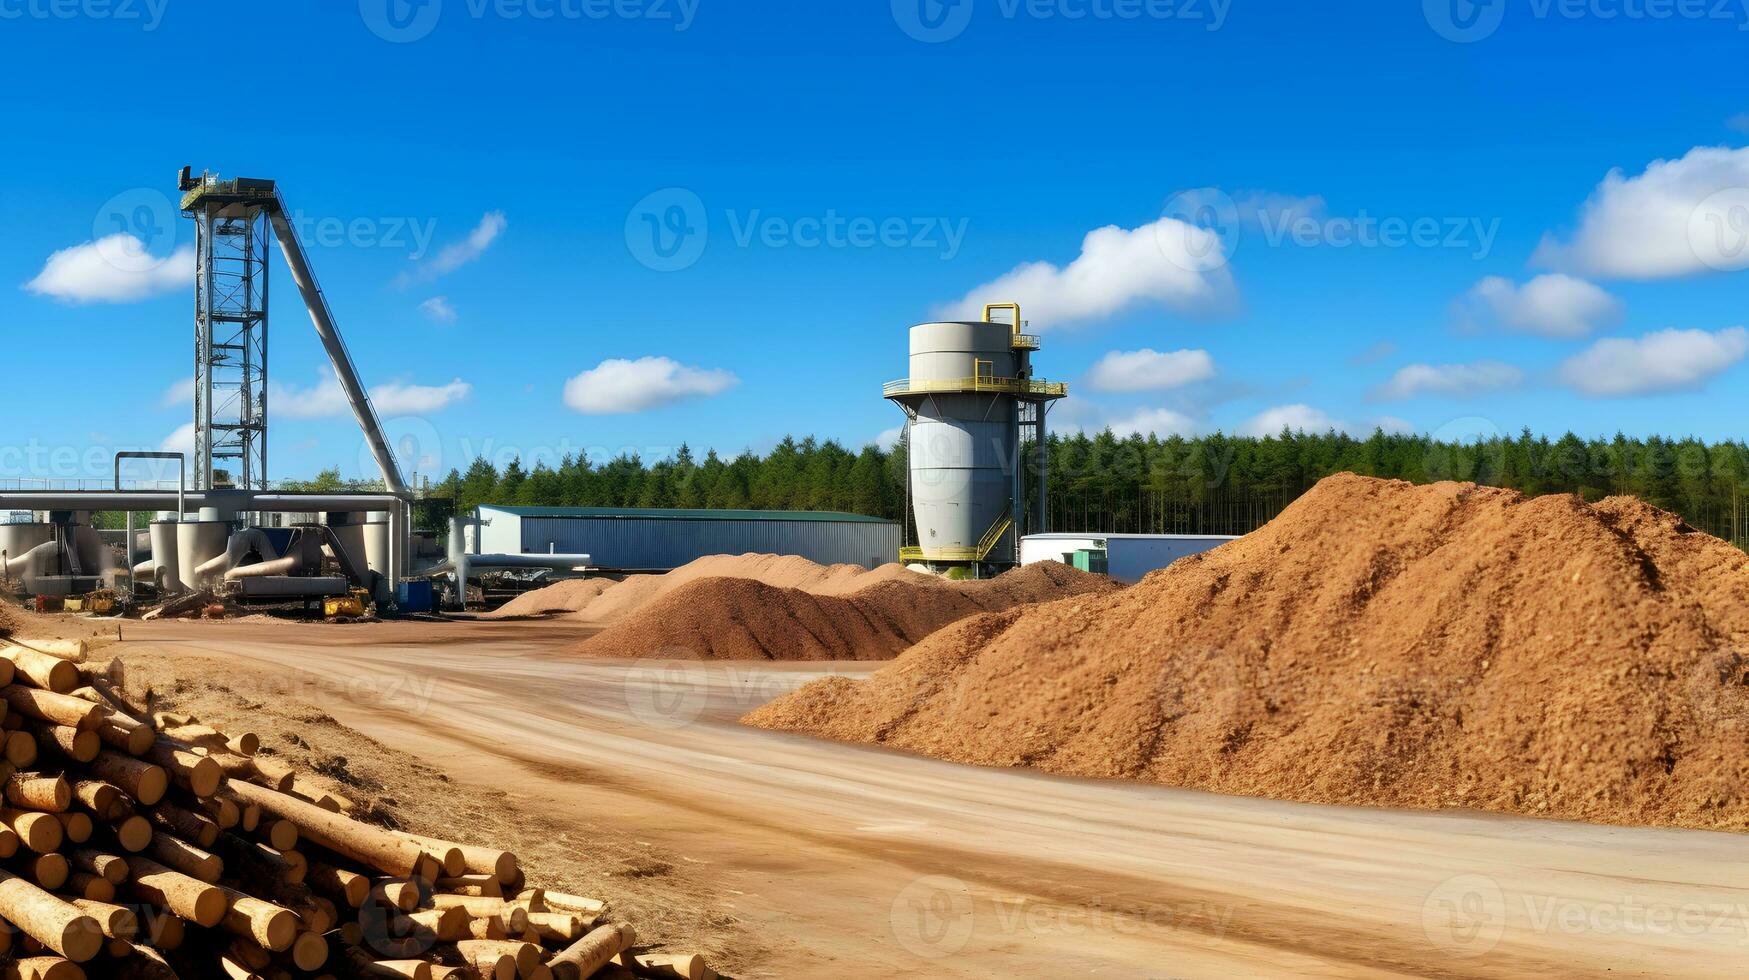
661	514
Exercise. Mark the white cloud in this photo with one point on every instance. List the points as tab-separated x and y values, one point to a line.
1675	219
1313	421
1296	418
1160	422
180	441
411	399
457	254
1664	361
619	386
1169	262
1448	379
179	395
114	269
327	399
1554	305
438	308
1150	370
889	438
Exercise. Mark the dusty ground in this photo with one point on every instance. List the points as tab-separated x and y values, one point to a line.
791	857
571	850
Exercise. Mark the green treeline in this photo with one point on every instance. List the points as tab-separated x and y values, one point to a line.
1214	484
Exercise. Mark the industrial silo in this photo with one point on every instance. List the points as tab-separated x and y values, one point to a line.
972	404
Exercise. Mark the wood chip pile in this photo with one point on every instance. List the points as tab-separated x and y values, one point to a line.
150	846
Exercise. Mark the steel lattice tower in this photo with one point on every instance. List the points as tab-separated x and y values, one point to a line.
230	336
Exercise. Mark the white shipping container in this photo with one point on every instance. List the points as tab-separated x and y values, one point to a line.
1129	557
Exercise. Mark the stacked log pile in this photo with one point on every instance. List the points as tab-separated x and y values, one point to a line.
148	845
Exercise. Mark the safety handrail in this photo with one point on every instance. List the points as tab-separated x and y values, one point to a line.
1014	386
978	552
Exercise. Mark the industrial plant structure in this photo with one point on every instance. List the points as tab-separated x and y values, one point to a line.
215	532
642	539
974	488
971	405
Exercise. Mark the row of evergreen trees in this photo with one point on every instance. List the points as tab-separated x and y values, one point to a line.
1206	484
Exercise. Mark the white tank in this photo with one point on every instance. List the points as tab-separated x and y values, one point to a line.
95	557
164	554
351	537
964	444
376	546
18	539
198	542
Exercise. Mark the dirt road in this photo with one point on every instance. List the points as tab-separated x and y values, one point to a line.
854	862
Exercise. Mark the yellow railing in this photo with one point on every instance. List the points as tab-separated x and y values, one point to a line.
1022	341
992	538
1011	386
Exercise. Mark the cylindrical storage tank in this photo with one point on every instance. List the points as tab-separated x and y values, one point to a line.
164	554
963	443
376	546
19	539
351	536
198	542
95	558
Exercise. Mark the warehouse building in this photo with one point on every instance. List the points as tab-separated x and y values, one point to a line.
621	539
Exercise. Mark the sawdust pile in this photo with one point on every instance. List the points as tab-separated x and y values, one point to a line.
722	618
568	596
1377	644
604	601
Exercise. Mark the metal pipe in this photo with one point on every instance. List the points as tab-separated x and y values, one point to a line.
323	318
181	486
234	501
239	546
277	566
564	563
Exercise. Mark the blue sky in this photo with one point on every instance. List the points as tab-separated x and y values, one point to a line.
1372	213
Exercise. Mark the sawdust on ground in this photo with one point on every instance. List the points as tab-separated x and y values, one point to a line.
1378	644
568	852
603	601
722	618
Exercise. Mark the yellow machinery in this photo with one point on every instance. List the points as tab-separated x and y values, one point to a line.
349	606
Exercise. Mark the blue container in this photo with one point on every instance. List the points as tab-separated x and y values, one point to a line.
414	597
